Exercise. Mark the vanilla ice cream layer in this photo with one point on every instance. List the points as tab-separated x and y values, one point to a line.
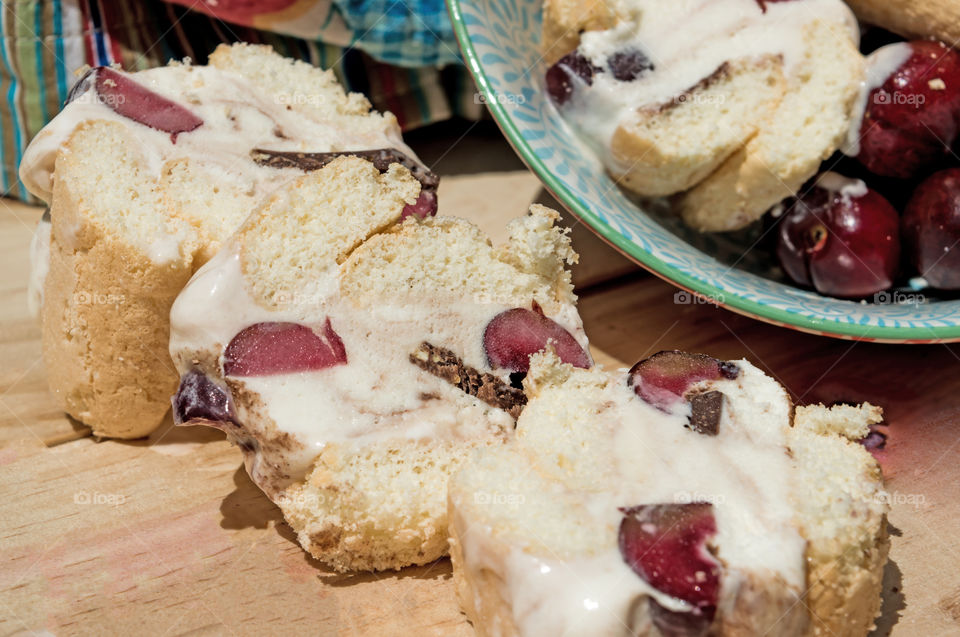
377	395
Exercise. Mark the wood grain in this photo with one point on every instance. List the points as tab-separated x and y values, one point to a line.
169	536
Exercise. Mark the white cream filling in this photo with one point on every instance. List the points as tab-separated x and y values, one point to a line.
745	472
881	64
378	395
687	41
846	187
237	117
39	266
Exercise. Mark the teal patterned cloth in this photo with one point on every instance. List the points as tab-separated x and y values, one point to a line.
407	33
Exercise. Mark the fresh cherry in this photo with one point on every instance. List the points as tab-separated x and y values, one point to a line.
913	118
265	349
841	238
134	101
199	398
563	76
668	546
931	229
664	379
513	336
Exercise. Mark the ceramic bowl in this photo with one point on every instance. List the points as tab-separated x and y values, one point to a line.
500	43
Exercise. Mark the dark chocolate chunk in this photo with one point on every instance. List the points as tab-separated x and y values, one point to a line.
729	370
426	204
705	411
199	398
444	364
516	379
628	65
381	159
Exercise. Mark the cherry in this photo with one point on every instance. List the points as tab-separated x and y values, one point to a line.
134	101
562	78
425	206
564	75
628	65
667	545
875	440
841	238
199	398
664	379
913	118
931	229
265	349
513	336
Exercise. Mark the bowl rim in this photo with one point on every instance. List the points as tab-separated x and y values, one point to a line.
915	334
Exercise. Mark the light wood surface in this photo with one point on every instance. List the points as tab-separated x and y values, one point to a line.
168	535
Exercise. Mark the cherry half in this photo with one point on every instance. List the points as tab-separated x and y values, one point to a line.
513	336
425	206
134	101
563	76
913	118
668	546
266	349
843	241
931	229
664	379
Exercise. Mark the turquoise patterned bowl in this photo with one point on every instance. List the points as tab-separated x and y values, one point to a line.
500	43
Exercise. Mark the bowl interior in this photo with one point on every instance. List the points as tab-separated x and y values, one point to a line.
500	40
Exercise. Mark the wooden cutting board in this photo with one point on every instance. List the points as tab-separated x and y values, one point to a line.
169	536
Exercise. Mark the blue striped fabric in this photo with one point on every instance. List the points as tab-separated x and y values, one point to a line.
402	32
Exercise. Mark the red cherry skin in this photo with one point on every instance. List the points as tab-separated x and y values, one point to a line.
126	97
913	118
667	546
514	335
842	242
931	229
663	379
267	349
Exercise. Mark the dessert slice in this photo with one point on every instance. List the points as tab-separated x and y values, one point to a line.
356	357
922	19
684	498
146	175
731	105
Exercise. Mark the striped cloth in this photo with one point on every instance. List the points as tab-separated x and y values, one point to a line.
45	41
408	33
